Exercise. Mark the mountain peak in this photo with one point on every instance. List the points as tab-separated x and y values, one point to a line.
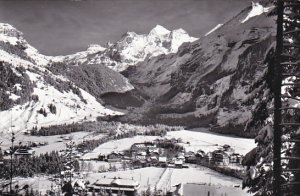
132	48
9	34
179	31
159	30
95	48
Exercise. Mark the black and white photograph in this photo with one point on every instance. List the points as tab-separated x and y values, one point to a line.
149	97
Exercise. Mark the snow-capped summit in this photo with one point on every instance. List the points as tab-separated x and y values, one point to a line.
159	30
178	37
10	36
133	48
95	48
79	57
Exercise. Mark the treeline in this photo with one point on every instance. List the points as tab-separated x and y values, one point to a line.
66	129
112	128
90	145
48	163
8	80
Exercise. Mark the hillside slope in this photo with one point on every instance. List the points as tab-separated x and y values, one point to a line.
33	96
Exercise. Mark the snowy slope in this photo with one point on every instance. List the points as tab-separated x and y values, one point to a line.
131	49
213	29
33	96
257	9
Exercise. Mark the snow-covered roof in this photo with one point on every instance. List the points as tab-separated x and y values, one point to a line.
178	162
162	159
116	181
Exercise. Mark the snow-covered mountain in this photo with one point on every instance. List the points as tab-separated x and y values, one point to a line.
31	95
217	81
38	90
131	49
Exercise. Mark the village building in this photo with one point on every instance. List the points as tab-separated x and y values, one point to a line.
115	186
200	156
227	149
162	161
208	157
190	157
149	147
236	158
114	157
102	157
21	152
220	157
178	163
140	155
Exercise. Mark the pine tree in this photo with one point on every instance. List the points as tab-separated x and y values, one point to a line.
273	167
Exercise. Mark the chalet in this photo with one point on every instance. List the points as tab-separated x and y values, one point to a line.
236	158
200	155
140	155
139	163
153	149
190	157
162	161
21	152
178	163
208	157
219	157
114	156
153	158
115	185
227	149
149	147
173	140
102	157
181	156
138	147
153	154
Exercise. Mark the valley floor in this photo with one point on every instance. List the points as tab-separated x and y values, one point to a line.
161	178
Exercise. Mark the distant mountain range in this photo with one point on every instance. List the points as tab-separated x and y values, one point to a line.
131	49
163	77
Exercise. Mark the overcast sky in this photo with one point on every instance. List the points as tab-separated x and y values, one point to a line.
57	27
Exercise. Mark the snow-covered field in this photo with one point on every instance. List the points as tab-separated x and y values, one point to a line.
117	145
162	178
151	176
199	139
55	142
147	177
207	141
